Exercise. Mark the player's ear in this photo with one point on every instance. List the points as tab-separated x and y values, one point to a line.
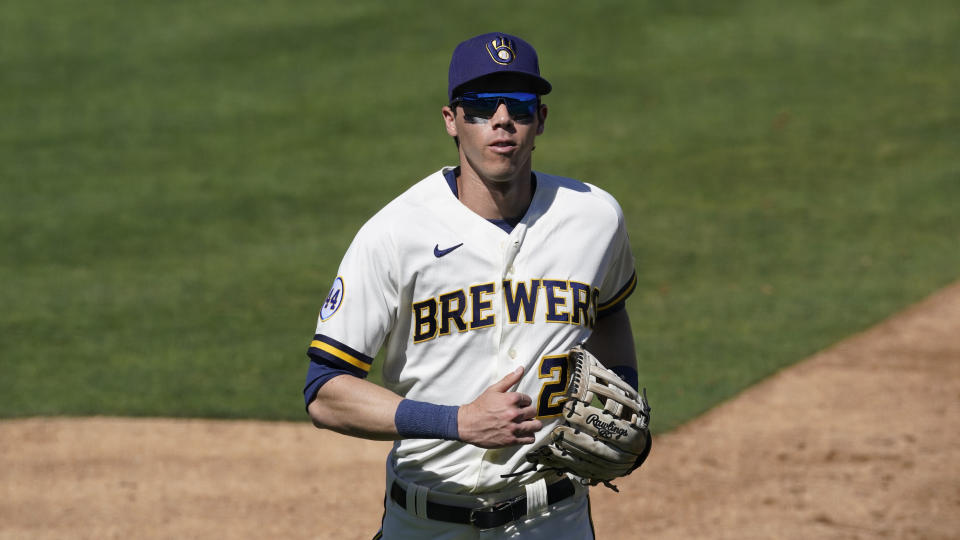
542	117
449	120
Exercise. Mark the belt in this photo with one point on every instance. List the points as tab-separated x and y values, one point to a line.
486	517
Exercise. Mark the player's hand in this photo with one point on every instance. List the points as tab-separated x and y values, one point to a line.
498	417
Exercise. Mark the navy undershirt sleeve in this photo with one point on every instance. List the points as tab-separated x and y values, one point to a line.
628	374
318	373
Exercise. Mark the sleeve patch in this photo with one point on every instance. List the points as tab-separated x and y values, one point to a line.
333	301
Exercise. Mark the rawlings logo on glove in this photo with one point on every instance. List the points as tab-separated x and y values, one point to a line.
598	444
608	430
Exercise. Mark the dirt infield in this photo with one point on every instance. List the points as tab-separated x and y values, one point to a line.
860	441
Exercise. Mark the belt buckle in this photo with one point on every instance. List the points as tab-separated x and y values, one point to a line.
483	518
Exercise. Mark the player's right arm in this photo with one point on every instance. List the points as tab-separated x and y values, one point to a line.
359	408
356	317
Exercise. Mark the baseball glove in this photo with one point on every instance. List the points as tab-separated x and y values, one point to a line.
597	444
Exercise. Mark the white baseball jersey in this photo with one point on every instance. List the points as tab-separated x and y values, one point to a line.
459	303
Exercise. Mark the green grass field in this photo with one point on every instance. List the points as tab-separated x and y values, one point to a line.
178	181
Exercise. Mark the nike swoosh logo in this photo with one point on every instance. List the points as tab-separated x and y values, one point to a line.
437	252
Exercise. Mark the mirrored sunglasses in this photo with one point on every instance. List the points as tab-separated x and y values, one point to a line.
522	106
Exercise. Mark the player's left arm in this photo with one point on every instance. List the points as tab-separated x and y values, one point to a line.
612	343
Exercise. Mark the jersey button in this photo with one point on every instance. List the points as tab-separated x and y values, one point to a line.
512	353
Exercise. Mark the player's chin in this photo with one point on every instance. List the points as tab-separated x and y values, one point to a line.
502	169
513	158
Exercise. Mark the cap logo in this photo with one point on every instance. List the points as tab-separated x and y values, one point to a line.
502	50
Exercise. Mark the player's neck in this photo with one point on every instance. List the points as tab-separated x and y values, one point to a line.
495	199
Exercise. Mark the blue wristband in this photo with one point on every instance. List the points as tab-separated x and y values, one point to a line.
421	420
628	374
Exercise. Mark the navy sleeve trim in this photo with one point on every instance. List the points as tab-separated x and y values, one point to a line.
619	298
616	308
340	355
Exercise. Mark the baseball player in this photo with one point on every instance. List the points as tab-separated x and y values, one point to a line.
476	281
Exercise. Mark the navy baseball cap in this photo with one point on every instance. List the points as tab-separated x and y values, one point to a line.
493	53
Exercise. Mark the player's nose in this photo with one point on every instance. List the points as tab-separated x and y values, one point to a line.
501	117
